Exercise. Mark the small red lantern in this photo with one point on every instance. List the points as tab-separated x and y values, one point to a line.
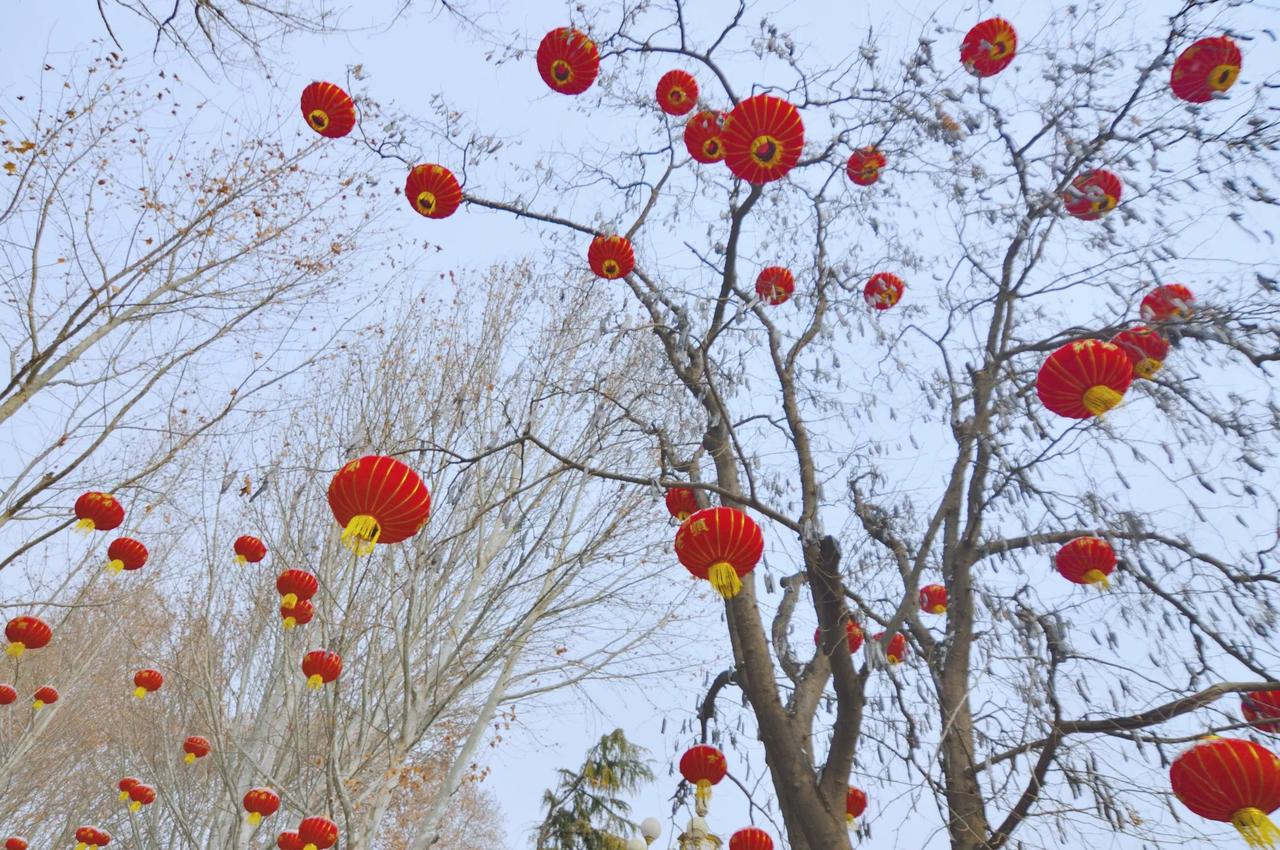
1145	348
328	109
321	667
378	499
864	166
298	615
989	47
1233	781
720	545
1086	560
896	651
1092	194
775	285
852	631
8	695
763	139
1262	705
611	257
289	841
568	60
126	785
26	632
1085	378
195	747
44	695
295	586
855	803
681	502
14	842
1207	68
141	795
933	598
249	550
677	92
317	833
146	681
260	803
98	511
90	838
750	838
433	191
704	136
125	553
703	766
1168	302
883	290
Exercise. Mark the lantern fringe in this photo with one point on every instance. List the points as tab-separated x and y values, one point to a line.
84	526
255	818
241	560
1256	827
81	846
135	806
849	819
290	600
124	795
1098	579
315	682
189	758
289	623
15	649
361	534
724	579
1147	367
309	846
38	704
702	796
1101	398
115	565
139	692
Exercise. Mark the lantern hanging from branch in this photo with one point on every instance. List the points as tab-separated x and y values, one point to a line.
1085	378
8	694
91	838
44	695
298	615
681	502
896	651
704	136
125	553
432	190
1092	194
720	545
775	285
852	631
568	60
864	166
146	681
1086	560
883	290
1206	69
989	47
195	747
1262	705
295	586
98	511
1234	781
763	139
1145	349
703	766
1167	303
933	599
378	499
750	838
677	92
611	257
321	667
249	549
289	840
260	803
26	632
328	110
141	795
15	842
126	785
317	833
855	803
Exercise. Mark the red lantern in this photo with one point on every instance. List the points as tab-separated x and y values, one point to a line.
378	499
989	47
321	667
763	139
328	109
1206	68
1145	349
296	586
1234	781
775	285
289	841
750	838
98	511
44	695
90	838
1086	560
317	833
260	803
126	785
125	553
14	842
1262	705
195	747
681	502
8	696
855	803
1164	303
852	631
933	598
249	550
883	290
864	166
298	615
611	257
720	545
896	651
1085	378
703	766
704	136
1092	194
568	60
677	92
433	191
25	633
141	795
146	681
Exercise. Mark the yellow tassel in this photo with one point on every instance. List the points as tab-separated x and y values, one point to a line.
139	692
315	682
189	758
702	792
1097	579
38	704
241	560
255	818
1101	398
16	649
115	565
81	846
682	516
1147	367
84	526
724	579
289	600
361	534
848	818
124	795
1256	827
289	623
309	847
135	806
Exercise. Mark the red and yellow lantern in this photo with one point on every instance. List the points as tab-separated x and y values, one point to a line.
1086	560
125	553
289	840
141	795
328	110
704	136
681	502
1092	194
933	599
432	190
677	92
1145	349
763	139
146	681
568	60
896	651
883	290
98	511
611	257
249	549
1262	705
1085	378
852	631
317	833
14	842
864	166
378	499
196	747
1233	781
775	285
989	47
44	695
295	586
126	785
8	694
91	838
855	803
321	667
720	545
1208	67
703	766
26	632
260	803
1167	303
299	615
750	838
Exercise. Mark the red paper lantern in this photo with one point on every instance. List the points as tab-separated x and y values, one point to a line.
989	47
1262	705
432	190
125	553
317	833
195	747
44	695
295	586
852	631
98	511
703	766
1233	781
883	290
568	60
146	681
720	545
26	632
126	785
141	795
1168	302
677	92
249	550
1145	349
896	651
321	667
299	615
1206	68
14	842
378	499
289	841
611	257
1092	194
1086	560
775	285
855	803
750	838
933	598
681	502
90	838
1085	378
328	110
704	136
8	695
763	139
864	166
260	803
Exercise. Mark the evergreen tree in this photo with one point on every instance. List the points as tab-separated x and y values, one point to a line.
587	811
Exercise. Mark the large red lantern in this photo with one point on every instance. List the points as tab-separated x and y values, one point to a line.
864	166
432	190
125	553
317	833
260	803
126	785
44	695
677	92
775	285
1092	194
299	615
1207	68
989	47
1262	705
249	549
8	694
750	838
289	840
852	631
855	803
703	766
704	136
883	290
26	632
1085	378
720	545
321	667
378	499
933	599
295	586
195	747
763	139
1168	302
1233	781
328	109
98	511
611	257
141	795
896	651
568	60
91	838
146	681
14	842
1145	349
1086	560
681	502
